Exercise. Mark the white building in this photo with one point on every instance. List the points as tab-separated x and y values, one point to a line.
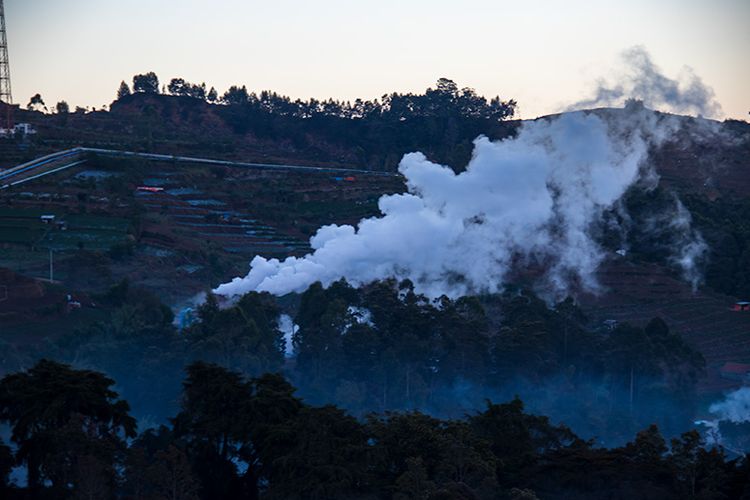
19	128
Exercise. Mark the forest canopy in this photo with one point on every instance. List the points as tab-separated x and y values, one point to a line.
252	437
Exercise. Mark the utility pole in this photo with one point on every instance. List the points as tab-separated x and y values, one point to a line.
51	267
6	96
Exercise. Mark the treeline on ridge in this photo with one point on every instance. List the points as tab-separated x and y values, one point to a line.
371	134
445	99
181	117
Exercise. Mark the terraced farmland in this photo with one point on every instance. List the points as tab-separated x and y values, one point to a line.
209	220
638	292
25	228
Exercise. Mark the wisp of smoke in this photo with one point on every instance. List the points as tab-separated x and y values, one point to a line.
528	200
689	250
641	79
288	328
692	249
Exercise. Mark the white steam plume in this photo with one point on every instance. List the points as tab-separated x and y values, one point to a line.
735	407
532	199
288	328
639	78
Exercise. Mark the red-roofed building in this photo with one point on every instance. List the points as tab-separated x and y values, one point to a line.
735	371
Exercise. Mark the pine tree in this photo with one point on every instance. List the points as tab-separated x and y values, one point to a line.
213	96
123	91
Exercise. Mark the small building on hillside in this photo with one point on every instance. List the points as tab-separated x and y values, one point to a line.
24	128
735	371
18	128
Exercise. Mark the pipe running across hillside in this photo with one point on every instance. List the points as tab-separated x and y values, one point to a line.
10	176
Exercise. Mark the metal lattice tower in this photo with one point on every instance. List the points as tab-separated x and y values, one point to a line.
6	95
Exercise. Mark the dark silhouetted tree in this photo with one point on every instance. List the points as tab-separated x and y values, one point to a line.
323	455
123	91
62	108
59	415
235	96
36	103
176	86
171	475
244	337
517	438
212	95
147	83
6	465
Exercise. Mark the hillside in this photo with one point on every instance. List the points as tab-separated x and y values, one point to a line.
188	126
207	223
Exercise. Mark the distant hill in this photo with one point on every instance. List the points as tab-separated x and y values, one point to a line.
185	125
190	126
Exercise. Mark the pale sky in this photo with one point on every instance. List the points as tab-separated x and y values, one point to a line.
543	53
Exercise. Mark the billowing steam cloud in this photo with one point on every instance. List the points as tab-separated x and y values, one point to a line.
641	79
529	200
